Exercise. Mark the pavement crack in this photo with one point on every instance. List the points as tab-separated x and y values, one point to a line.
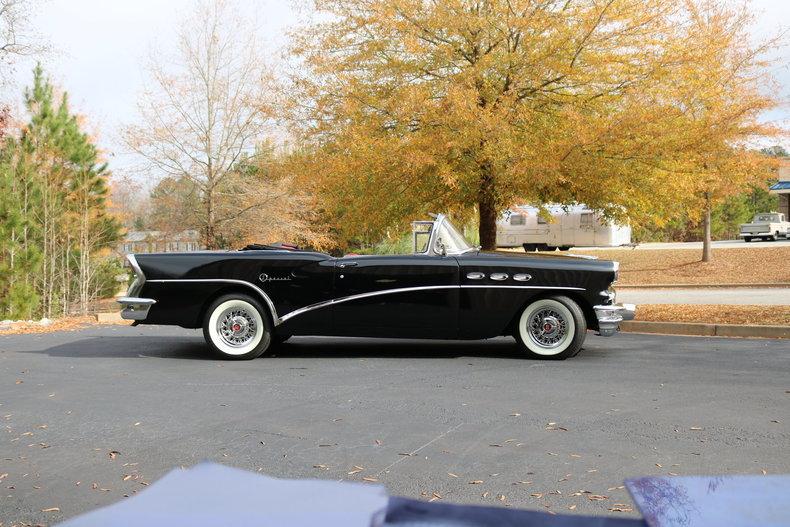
413	452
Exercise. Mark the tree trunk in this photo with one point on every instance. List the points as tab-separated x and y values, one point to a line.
84	257
210	240
707	254
487	210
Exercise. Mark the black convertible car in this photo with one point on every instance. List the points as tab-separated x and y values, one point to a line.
248	300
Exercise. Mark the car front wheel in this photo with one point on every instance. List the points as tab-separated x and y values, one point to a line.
551	328
235	327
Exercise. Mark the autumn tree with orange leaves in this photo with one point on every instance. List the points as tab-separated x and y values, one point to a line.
467	106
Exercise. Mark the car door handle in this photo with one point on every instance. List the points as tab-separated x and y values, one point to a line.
475	275
347	264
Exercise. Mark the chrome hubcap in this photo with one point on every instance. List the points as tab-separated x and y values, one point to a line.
547	328
236	327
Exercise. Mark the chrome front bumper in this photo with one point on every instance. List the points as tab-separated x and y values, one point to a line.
609	317
135	308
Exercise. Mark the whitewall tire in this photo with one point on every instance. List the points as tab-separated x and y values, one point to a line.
236	327
551	328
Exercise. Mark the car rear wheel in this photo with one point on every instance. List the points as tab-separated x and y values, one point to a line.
237	328
747	239
551	328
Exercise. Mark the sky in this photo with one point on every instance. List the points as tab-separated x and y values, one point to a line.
99	51
100	48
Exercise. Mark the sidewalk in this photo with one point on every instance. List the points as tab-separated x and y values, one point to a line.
771	296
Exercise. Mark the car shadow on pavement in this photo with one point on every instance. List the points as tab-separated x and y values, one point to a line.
194	348
342	347
130	347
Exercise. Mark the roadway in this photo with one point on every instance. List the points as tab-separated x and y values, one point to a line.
720	244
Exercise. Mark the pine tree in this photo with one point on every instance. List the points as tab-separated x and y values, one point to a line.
53	210
20	257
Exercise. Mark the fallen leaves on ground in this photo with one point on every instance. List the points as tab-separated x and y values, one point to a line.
683	266
554	426
58	324
715	314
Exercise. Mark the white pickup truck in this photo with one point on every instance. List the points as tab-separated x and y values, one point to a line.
766	225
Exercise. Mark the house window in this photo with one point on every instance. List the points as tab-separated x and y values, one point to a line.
542	220
586	219
517	219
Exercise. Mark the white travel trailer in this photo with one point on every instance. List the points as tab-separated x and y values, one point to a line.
573	226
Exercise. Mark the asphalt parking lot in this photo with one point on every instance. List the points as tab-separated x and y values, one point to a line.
93	415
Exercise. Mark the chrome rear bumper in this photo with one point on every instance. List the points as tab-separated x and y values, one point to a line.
135	308
609	317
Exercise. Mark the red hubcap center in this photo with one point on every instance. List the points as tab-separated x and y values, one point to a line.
236	327
546	327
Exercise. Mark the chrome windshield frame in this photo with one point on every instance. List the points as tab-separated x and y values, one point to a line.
438	223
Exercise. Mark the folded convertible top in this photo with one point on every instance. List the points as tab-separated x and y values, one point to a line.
279	246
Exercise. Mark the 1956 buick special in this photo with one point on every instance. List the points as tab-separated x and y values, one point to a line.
249	300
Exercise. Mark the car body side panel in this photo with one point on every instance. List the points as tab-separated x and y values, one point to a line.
397	296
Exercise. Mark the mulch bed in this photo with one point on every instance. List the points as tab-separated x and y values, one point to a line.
683	266
715	314
58	324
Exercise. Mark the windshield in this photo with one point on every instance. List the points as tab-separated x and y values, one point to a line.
452	239
767	217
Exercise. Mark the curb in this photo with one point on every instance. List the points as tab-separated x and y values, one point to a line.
706	330
701	286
